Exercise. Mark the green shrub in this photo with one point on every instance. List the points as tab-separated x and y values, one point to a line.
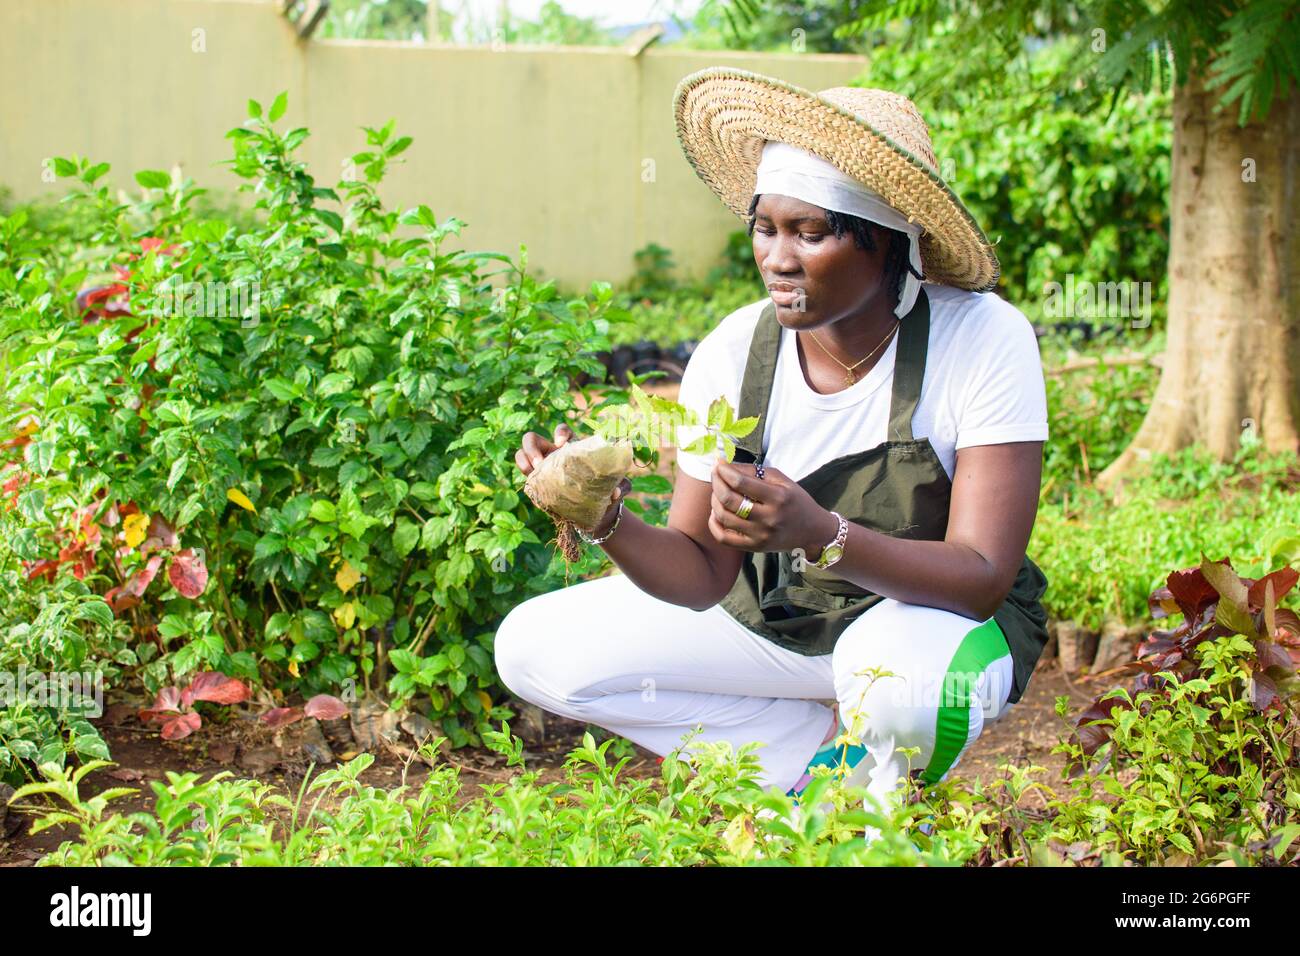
308	423
55	640
1092	416
1098	552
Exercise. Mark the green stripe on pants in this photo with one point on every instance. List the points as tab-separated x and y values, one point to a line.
978	649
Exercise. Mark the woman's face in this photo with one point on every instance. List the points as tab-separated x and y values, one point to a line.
829	277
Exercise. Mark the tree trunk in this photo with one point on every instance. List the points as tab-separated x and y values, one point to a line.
1232	361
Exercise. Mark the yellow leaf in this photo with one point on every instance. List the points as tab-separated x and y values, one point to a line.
346	578
241	499
485	699
293	668
479	488
134	528
346	614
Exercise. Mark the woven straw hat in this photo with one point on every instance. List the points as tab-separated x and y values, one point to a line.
725	115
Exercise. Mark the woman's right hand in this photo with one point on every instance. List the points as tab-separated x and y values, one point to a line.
536	448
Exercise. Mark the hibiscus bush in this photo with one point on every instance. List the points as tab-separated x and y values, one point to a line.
282	450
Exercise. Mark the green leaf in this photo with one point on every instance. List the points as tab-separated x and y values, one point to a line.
190	510
254	109
331	219
282	391
177	471
403	660
702	445
405	537
1180	840
91	745
333	384
720	413
742	427
278	107
326	457
153	179
172	626
97	611
40	456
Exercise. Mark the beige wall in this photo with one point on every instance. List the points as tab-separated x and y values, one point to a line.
540	147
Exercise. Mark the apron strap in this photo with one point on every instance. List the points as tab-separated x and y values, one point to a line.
909	368
760	371
756	388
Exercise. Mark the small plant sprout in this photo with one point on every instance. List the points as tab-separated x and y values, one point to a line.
651	422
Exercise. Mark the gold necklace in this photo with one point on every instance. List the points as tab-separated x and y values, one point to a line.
849	377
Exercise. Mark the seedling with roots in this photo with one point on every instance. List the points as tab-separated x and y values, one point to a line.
575	484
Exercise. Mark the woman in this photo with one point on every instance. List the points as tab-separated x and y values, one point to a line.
867	543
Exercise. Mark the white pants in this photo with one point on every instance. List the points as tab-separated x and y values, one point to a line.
607	653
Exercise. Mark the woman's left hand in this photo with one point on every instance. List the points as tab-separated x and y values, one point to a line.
784	516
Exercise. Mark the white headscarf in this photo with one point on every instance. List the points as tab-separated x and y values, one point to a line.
790	171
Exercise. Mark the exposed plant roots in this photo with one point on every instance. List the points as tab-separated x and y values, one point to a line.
575	484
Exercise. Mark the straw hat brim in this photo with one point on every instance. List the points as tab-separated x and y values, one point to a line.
724	116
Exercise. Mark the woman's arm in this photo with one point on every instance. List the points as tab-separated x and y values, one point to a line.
994	502
682	563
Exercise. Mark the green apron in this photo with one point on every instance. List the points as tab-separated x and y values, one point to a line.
898	487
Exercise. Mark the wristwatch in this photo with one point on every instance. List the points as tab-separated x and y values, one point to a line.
833	551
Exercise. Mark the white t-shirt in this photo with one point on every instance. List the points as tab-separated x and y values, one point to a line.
983	386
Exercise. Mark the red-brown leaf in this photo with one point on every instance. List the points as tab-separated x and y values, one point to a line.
159	535
1191	592
281	716
120	602
217	688
187	573
1288	625
326	707
1272	654
1263	690
181	726
45	567
1283	579
1161	603
1230	586
137	583
169	698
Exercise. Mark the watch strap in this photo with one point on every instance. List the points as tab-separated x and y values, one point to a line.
841	535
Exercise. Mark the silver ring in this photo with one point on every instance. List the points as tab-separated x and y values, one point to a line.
746	506
758	469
